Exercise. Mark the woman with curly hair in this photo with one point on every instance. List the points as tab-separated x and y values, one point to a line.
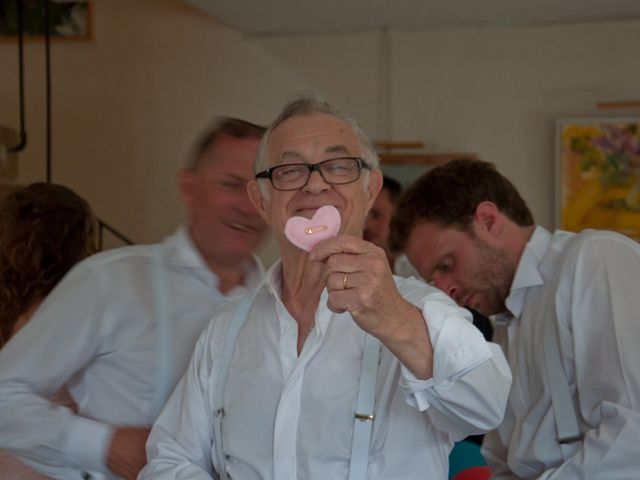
44	230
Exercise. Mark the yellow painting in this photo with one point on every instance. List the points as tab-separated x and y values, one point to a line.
599	175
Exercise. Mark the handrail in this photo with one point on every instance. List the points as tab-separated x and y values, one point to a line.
102	226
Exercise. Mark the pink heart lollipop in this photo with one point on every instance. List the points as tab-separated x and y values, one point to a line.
305	233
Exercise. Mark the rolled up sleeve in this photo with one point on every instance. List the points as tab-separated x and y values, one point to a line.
468	391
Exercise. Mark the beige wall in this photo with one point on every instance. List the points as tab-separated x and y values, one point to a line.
128	104
494	92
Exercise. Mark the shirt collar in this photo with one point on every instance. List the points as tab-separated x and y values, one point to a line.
528	272
184	251
274	279
185	254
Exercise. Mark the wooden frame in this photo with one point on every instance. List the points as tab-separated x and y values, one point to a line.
598	174
70	20
389	157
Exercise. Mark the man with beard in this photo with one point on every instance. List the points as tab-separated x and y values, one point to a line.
567	308
119	330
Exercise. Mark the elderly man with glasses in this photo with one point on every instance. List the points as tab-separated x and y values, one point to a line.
333	368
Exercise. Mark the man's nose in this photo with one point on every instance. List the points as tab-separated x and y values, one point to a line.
447	285
316	183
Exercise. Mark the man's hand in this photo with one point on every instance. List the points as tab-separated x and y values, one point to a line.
127	453
359	281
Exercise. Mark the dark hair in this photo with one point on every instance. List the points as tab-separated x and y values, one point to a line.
44	230
393	187
448	196
232	127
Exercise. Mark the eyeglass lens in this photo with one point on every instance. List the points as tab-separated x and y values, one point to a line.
335	171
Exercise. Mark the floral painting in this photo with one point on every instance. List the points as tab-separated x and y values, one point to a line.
599	175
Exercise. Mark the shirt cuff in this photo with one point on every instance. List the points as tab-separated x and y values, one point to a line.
87	443
458	347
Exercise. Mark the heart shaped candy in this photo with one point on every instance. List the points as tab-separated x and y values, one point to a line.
305	233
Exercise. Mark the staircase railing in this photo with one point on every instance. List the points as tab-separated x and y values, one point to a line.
104	226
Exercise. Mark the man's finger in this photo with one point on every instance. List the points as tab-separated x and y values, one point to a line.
342	281
339	244
340	301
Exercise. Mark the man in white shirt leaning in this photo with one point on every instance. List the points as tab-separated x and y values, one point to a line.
566	306
334	368
120	328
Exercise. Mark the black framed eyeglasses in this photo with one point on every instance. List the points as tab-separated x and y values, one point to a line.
335	171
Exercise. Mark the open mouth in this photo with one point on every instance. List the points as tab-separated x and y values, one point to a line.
307	212
242	227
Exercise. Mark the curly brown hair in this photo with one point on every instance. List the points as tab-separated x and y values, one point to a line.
448	196
44	230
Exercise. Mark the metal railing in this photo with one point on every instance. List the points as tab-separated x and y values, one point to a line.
104	226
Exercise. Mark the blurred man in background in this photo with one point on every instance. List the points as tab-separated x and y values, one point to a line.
120	328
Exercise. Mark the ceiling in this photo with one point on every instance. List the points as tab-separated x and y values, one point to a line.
281	17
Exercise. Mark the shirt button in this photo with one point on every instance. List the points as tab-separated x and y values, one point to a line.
86	476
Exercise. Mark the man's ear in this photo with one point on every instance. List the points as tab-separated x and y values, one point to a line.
488	219
375	185
253	189
187	187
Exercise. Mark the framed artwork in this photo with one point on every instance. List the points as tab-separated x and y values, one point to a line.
68	20
598	174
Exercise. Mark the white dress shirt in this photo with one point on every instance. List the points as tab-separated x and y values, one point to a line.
592	291
97	333
290	416
402	267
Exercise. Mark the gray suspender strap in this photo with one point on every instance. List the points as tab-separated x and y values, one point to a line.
237	321
363	422
162	308
567	429
561	401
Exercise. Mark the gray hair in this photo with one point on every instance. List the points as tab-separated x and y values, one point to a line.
307	103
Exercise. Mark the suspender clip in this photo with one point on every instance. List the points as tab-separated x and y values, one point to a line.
572	439
363	417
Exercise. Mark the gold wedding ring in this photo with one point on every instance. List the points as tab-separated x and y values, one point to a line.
344	281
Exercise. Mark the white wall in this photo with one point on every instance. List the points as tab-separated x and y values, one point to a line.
128	104
494	92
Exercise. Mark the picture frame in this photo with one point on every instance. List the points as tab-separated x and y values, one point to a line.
598	174
69	20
